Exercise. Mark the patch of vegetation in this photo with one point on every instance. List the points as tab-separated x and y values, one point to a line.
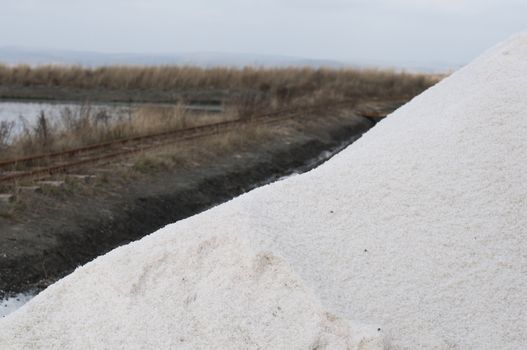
249	91
149	165
280	83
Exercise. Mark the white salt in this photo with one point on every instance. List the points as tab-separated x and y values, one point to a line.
420	227
189	291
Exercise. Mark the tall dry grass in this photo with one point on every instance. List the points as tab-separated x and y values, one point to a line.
84	125
244	92
281	83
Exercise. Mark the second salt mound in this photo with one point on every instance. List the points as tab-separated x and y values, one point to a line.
184	291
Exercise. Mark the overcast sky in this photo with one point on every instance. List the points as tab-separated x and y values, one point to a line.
357	31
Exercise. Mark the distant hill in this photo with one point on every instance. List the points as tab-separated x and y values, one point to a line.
31	56
16	55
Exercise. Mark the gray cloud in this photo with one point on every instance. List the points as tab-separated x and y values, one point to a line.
376	31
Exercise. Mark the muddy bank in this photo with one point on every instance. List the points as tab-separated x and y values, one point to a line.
34	253
61	93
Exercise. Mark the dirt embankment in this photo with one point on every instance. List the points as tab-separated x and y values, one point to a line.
55	232
60	93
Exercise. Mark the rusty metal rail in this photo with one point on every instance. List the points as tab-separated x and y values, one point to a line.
172	136
175	132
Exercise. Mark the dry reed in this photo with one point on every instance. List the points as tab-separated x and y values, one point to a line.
282	83
249	91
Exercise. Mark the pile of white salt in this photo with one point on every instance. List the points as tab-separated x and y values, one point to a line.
419	228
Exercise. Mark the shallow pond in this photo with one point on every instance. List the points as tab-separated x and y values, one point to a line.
17	116
13	303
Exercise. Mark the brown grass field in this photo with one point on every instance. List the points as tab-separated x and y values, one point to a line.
244	92
280	82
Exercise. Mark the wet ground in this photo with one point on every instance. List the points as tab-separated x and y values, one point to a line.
12	303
